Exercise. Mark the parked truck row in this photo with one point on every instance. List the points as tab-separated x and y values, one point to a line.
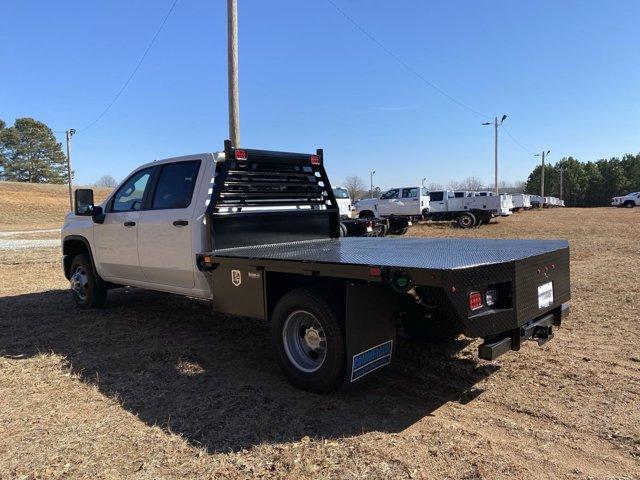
466	208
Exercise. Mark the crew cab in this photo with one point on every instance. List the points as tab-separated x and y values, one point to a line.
410	202
365	226
627	201
256	232
467	209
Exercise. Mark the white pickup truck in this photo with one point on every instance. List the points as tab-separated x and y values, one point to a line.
257	233
467	209
521	201
412	202
628	201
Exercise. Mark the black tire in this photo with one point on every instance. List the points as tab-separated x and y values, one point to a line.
425	214
426	326
400	231
343	230
87	288
366	214
330	373
466	220
629	204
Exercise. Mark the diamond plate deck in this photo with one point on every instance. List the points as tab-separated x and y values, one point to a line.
428	253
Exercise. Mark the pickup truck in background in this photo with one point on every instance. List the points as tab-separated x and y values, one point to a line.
627	201
256	233
365	227
409	202
466	211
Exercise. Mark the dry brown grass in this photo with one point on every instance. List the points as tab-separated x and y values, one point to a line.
156	386
26	206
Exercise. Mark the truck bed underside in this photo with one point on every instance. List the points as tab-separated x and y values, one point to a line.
422	253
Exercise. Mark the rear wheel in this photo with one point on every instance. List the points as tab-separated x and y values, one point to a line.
87	288
309	341
343	230
366	214
629	204
466	220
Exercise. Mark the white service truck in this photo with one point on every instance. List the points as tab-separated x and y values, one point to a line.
409	202
521	201
466	211
627	201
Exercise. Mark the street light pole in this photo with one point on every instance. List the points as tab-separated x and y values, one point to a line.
68	134
232	71
371	182
496	124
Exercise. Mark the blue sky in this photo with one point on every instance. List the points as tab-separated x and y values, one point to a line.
565	72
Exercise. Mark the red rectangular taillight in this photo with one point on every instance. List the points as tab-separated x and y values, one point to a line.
315	160
475	300
240	154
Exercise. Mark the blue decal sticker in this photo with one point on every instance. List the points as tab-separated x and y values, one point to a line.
370	360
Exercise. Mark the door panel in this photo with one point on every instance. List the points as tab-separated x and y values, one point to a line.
117	247
165	231
117	238
409	203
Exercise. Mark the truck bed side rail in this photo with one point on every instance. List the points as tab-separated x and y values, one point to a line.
264	197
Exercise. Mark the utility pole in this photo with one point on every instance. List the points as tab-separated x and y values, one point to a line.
561	173
495	148
542	155
373	172
232	68
70	133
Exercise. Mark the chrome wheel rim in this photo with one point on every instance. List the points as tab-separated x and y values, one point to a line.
305	342
466	221
80	282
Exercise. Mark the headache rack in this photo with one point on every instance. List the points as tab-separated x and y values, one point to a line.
263	197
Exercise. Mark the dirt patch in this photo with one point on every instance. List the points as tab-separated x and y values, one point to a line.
156	386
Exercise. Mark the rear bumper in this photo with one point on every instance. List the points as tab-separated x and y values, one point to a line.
540	330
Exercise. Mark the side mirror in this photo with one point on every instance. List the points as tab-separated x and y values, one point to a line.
98	215
84	202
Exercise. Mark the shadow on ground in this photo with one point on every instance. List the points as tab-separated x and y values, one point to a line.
213	378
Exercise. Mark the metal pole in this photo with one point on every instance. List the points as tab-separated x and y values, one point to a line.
542	182
68	134
495	126
561	172
232	67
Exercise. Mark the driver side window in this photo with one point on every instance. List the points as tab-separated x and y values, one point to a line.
129	196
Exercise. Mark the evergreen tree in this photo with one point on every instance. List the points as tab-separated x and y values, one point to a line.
29	152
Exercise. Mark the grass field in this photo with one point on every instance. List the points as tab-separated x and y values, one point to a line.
157	386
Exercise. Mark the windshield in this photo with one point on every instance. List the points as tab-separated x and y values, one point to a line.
340	193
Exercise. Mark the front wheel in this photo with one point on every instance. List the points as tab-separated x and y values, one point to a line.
87	288
629	204
309	341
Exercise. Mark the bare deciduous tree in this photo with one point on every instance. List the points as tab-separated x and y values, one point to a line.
433	186
355	186
106	181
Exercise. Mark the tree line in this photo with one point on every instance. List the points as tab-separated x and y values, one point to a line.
590	184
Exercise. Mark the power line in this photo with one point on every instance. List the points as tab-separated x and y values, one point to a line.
403	63
517	142
124	86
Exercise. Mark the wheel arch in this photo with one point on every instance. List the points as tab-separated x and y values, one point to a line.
73	245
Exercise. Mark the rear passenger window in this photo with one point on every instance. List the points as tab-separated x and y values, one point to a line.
436	196
409	193
175	185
